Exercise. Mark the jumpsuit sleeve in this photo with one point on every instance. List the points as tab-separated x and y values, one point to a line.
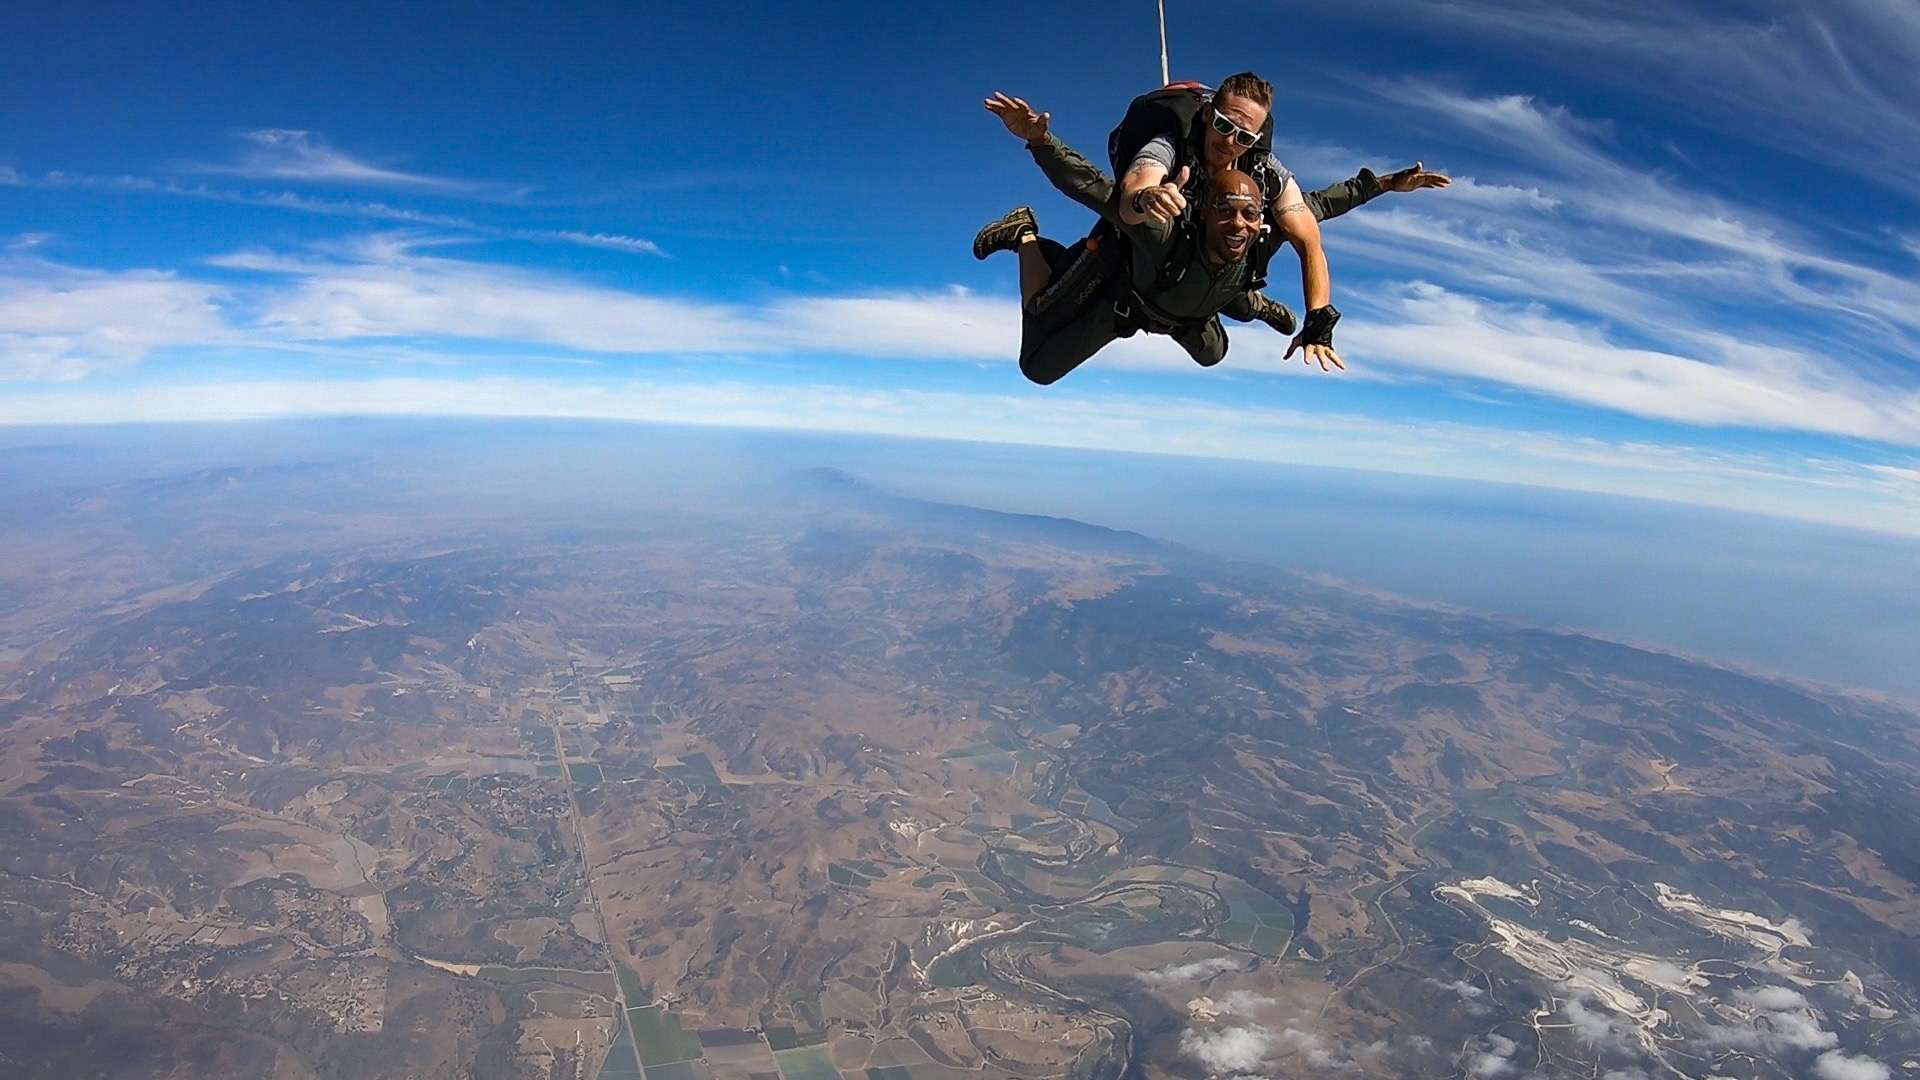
1333	201
1090	186
1076	177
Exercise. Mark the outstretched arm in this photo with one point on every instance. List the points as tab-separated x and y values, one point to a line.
1020	117
1076	177
1302	230
1331	202
1067	169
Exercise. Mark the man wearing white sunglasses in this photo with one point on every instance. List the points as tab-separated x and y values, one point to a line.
1229	125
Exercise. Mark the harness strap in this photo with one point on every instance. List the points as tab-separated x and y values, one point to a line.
1133	313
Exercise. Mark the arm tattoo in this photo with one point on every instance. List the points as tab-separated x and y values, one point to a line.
1291	207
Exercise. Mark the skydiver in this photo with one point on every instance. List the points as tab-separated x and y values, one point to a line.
1229	123
1065	318
1061	329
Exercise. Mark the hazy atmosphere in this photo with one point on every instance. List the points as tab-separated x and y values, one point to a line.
619	541
1836	605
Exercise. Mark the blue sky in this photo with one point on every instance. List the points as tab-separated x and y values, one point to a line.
1681	260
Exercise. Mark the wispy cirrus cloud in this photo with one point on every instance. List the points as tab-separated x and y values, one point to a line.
1613	230
294	155
1524	347
358	209
1834	82
1594	281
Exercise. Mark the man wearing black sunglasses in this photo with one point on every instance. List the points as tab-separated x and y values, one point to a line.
1229	126
1059	284
1074	302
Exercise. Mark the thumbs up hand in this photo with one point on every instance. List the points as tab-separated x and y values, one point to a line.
1164	202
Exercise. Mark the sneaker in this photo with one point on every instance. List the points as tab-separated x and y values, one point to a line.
1005	234
1273	313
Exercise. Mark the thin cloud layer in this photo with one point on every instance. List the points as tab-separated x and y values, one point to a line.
62	324
291	154
363	210
1834	82
392	287
1784	484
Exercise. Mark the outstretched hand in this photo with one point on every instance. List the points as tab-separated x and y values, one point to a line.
1323	353
1414	178
1019	116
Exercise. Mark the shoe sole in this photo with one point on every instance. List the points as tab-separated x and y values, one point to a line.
985	245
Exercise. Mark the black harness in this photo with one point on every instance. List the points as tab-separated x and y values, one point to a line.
1258	163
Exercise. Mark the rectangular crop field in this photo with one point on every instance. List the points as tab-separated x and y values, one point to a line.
657	1033
807	1063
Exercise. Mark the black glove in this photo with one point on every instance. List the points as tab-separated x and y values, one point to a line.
1318	329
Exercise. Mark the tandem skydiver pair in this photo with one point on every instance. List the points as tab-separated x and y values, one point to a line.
1186	236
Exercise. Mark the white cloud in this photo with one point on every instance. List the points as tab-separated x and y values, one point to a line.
1249	1048
1230	1049
1834	82
1819	490
1773	998
1590	1025
1449	333
610	241
1459	986
1490	1056
1615	288
389	287
364	210
291	154
386	287
1782	1020
57	323
1635	233
1196	971
1837	1065
1245	1003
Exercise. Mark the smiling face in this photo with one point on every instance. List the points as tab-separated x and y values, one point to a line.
1233	215
1222	150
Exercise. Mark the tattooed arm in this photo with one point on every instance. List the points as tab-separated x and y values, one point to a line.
1298	225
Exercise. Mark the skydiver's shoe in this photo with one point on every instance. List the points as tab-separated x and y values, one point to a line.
1005	234
1273	313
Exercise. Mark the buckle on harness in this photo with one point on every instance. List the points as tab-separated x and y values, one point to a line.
1124	322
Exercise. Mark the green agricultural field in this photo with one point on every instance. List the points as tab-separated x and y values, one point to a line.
598	982
620	1063
632	988
679	1070
946	974
658	1035
807	1063
569	1004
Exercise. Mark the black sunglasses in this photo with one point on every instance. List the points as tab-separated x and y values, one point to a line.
1239	134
